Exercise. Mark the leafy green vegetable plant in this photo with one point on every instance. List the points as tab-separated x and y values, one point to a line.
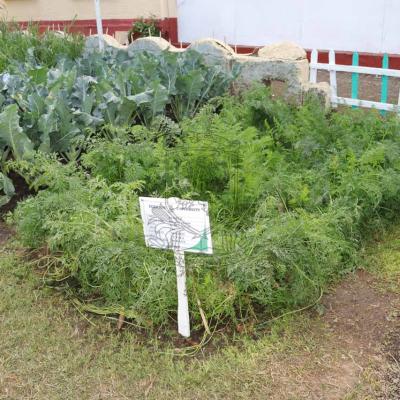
56	108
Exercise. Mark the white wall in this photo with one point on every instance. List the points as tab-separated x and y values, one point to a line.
37	10
362	25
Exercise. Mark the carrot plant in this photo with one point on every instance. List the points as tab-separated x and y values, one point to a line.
293	192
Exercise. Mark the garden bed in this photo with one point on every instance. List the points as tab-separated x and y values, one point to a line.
294	191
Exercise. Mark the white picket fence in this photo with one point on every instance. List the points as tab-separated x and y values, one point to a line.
332	67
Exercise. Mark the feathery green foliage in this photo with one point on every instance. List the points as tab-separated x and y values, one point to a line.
29	46
293	192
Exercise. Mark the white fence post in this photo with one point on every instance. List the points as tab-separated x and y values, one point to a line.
99	23
398	103
313	68
332	77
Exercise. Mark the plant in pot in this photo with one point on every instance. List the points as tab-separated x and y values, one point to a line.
144	28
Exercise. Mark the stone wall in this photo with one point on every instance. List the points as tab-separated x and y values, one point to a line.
282	66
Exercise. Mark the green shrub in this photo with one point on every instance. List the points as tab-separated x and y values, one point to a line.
29	46
144	27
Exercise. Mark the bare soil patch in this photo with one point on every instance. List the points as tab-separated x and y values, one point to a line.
358	318
391	386
5	233
22	191
358	314
345	356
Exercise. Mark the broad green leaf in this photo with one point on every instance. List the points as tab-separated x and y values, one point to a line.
7	187
169	71
38	75
47	123
87	120
82	98
159	99
189	90
142	98
151	102
12	135
4	200
125	111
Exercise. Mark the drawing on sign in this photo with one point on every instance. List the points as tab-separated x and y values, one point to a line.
176	224
179	225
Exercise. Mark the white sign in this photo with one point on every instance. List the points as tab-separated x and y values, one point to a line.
179	225
176	224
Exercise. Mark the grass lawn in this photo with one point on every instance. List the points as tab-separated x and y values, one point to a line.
49	350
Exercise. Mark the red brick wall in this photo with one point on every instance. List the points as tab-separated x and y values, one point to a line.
168	26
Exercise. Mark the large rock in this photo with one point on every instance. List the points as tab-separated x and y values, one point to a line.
214	52
151	44
321	90
294	74
92	42
283	51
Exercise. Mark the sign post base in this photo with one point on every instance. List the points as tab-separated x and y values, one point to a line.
183	306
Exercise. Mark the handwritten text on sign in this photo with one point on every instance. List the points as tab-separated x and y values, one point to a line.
176	224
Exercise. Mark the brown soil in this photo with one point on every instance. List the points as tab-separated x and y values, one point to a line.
369	86
346	348
358	314
5	233
391	350
358	319
21	192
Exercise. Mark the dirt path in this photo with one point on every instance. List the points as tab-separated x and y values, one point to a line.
351	352
359	319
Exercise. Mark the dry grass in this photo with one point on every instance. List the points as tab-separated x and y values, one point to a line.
48	350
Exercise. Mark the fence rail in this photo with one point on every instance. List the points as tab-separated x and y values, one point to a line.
356	70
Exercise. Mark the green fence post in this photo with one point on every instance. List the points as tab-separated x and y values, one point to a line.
354	78
385	82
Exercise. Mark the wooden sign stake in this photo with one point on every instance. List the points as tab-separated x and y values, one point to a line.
183	304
